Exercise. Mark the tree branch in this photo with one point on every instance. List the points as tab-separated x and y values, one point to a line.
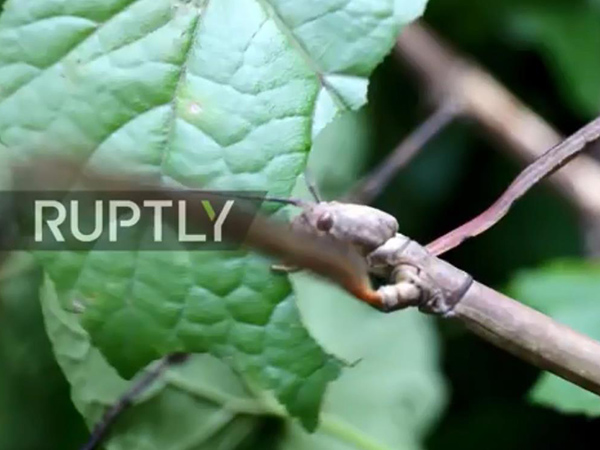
446	74
102	429
531	336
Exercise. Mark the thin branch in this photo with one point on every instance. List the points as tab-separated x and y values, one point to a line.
544	166
371	185
446	74
102	429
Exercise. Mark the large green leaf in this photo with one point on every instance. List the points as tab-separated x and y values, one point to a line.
339	155
386	401
200	405
217	94
392	393
570	293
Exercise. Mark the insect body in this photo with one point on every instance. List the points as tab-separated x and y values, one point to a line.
363	227
374	234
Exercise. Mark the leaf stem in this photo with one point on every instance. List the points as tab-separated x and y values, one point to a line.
349	434
234	405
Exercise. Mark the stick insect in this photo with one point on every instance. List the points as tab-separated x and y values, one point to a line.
373	234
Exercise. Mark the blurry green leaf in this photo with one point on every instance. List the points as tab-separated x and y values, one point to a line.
217	94
569	293
568	35
199	405
340	153
394	391
35	408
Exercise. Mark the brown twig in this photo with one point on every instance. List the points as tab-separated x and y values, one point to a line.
544	166
531	336
367	189
102	429
448	75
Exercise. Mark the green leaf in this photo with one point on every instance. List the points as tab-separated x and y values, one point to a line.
568	36
569	293
339	155
394	391
221	94
240	316
201	404
386	401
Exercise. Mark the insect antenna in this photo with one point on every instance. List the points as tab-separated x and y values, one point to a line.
312	185
285	201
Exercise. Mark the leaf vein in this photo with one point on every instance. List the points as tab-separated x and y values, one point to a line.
46	69
195	27
271	11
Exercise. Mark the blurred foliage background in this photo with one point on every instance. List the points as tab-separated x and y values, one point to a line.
546	52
